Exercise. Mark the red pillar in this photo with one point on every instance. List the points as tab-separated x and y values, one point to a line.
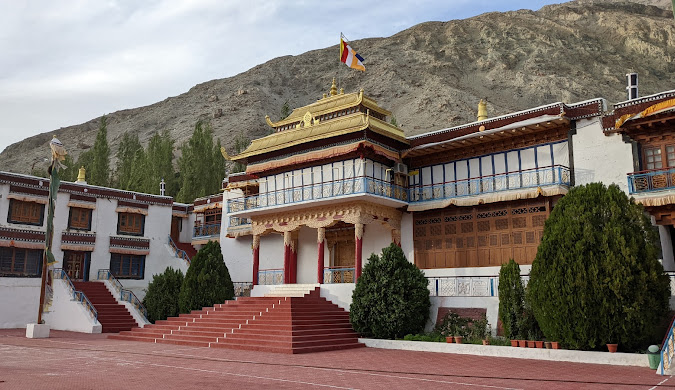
321	237
294	260
358	228
287	257
256	258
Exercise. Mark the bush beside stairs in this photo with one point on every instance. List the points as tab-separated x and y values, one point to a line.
287	321
113	316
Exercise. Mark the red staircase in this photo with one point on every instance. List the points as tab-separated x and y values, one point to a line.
187	247
114	317
271	324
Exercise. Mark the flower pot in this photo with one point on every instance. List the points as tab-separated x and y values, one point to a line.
486	342
539	344
449	339
522	343
530	344
514	343
555	345
458	339
547	344
612	347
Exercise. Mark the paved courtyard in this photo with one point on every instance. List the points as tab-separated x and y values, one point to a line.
80	361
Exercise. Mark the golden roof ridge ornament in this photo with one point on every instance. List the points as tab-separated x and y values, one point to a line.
333	88
482	110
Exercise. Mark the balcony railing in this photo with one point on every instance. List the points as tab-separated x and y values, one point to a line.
238	221
242	289
270	276
325	190
206	230
333	275
555	174
652	180
466	286
181	254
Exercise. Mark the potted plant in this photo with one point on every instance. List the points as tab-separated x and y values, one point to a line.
611	347
547	344
539	344
555	345
458	339
514	342
453	327
449	339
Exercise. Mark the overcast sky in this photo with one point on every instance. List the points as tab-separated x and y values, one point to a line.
65	62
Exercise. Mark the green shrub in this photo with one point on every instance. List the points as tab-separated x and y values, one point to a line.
511	299
474	331
207	281
161	296
391	298
596	278
431	337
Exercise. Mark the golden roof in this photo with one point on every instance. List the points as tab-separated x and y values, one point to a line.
343	125
328	105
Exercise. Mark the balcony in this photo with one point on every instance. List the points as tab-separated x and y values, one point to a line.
363	185
270	277
239	227
652	180
529	178
205	230
332	275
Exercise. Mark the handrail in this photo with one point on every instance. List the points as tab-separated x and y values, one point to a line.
668	350
467	286
271	276
338	274
60	273
125	294
651	180
179	252
207	229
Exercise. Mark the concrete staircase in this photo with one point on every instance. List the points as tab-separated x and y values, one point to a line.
187	247
279	323
114	317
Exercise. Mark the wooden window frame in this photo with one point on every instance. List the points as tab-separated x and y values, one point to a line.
213	216
125	271
133	228
9	262
33	209
663	148
75	220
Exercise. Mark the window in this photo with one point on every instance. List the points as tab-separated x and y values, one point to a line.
127	266
658	156
20	262
213	216
653	158
132	224
29	213
80	218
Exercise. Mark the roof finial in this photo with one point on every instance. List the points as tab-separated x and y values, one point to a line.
333	88
80	176
482	110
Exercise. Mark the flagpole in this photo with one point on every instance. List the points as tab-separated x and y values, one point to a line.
49	238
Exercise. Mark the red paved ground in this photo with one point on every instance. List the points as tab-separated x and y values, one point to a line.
79	361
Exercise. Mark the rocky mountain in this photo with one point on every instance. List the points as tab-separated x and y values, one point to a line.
430	76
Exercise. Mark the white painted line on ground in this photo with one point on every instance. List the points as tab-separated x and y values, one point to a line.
222	373
660	383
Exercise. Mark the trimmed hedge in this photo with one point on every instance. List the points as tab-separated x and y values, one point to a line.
207	281
596	278
391	298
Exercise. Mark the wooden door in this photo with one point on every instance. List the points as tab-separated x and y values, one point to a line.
175	228
73	264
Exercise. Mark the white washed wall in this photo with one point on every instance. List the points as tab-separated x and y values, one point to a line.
19	301
307	255
66	314
599	157
407	237
375	237
271	251
237	252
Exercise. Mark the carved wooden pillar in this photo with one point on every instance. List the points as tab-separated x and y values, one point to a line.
396	237
287	257
321	237
256	258
358	230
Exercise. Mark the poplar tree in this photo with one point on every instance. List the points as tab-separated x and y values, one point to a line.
201	165
596	278
160	164
100	170
126	154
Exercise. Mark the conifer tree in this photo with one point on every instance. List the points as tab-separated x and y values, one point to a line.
201	165
160	164
161	296
596	278
126	154
99	173
511	299
207	281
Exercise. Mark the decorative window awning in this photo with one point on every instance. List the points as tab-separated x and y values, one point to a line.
655	200
21	244
83	242
494	197
28	198
129	246
22	238
132	210
82	205
209	206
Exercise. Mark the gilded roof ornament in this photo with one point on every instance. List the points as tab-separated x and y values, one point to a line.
482	110
333	88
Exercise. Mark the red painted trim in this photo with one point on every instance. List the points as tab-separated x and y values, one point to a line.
294	265
287	264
